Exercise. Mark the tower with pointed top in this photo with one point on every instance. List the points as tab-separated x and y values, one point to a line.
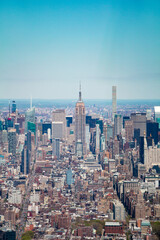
29	116
80	123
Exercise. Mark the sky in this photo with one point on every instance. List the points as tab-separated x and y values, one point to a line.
47	47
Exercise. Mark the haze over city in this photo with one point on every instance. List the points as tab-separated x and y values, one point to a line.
48	47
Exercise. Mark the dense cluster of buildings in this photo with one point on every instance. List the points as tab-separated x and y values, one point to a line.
79	175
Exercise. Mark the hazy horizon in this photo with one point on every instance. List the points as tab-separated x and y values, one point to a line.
48	47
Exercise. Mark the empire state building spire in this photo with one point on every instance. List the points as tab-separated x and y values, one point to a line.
80	94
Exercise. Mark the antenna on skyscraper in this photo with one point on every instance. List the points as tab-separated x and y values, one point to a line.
80	95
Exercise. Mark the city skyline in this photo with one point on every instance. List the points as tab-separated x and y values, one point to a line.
48	47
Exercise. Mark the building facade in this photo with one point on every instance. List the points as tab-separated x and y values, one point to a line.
80	123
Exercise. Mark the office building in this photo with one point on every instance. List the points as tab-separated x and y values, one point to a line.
17	127
4	136
15	196
7	234
137	135
44	139
149	114
13	107
32	127
25	160
1	125
57	130
139	122
69	178
102	143
130	185
129	130
21	121
157	114
49	134
28	141
29	117
152	132
141	149
59	115
79	148
92	121
117	124
46	126
87	137
111	165
8	123
69	120
12	141
97	139
109	132
80	123
114	101
56	147
125	118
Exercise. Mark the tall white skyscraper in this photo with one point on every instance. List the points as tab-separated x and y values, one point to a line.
80	123
114	101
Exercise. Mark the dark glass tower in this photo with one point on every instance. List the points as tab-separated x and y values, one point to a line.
13	106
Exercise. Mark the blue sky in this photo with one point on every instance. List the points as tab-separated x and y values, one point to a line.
48	47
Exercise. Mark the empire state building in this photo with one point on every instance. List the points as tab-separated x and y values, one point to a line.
80	124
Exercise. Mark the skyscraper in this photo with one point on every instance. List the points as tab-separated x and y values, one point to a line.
80	123
114	101
29	117
12	141
13	106
59	115
157	114
26	154
56	147
57	130
118	121
129	130
139	122
25	160
152	132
